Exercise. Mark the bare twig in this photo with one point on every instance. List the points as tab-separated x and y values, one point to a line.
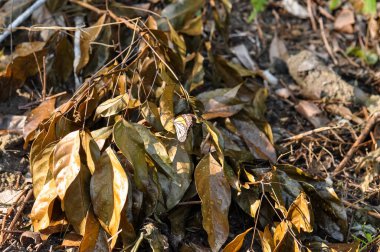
370	213
311	15
371	122
28	105
21	19
19	212
327	45
310	132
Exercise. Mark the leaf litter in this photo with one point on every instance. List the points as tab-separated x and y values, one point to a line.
169	136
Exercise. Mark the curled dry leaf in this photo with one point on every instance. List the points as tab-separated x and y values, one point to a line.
215	194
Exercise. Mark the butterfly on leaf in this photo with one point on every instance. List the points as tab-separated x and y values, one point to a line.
182	124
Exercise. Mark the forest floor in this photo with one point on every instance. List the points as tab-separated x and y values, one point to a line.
314	134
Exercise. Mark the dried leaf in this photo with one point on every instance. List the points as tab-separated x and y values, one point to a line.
87	36
94	238
109	189
131	145
257	142
236	244
36	117
43	206
278	50
115	105
266	238
300	214
166	107
66	162
215	194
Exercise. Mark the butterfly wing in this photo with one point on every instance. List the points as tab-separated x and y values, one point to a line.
182	125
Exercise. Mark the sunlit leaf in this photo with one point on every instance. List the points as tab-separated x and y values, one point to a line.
37	116
94	238
43	206
215	194
41	169
109	189
300	214
236	244
166	107
115	105
66	162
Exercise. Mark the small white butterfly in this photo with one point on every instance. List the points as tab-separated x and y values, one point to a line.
182	124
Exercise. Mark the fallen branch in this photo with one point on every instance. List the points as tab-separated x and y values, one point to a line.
371	122
25	15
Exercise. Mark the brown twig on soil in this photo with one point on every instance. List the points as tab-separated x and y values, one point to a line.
370	213
9	212
28	105
371	122
311	15
19	212
310	132
327	45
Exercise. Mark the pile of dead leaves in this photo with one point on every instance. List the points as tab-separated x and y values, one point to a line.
146	138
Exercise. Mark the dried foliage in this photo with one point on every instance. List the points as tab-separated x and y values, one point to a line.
139	142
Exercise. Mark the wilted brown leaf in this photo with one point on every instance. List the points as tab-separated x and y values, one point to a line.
215	193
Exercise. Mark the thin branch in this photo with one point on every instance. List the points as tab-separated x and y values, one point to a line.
20	19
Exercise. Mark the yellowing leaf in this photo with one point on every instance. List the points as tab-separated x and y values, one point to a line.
237	242
215	194
77	202
128	140
300	214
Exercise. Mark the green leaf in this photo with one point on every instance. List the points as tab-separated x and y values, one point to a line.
369	7
215	194
334	4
